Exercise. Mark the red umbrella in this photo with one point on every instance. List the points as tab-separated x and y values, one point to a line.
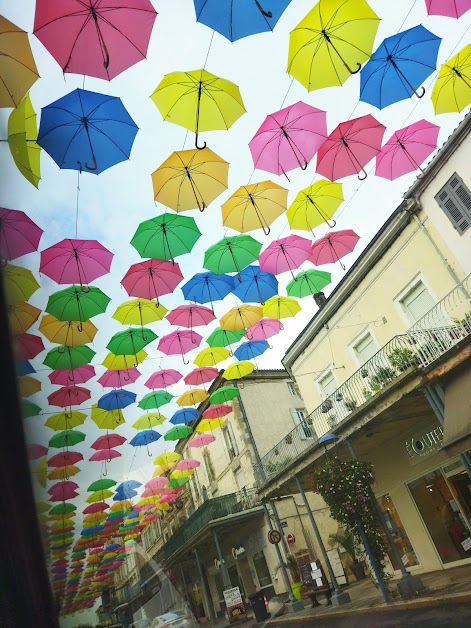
64	458
333	246
190	316
115	379
19	235
151	279
179	343
163	378
70	377
63	497
63	488
36	451
217	411
108	441
67	396
28	346
285	254
75	261
96	507
350	147
100	39
104	455
201	376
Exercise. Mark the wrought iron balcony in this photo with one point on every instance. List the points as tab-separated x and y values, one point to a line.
444	326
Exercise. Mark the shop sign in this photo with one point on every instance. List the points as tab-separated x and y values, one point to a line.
238	552
466	544
234	603
423	445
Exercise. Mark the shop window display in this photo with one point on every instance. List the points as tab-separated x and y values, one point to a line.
399	534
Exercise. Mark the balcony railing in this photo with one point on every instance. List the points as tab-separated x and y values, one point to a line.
445	325
210	510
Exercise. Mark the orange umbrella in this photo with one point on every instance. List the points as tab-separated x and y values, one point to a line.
18	70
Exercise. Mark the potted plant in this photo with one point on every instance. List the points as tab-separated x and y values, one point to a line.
346	540
292	566
464	322
367	393
338	396
382	376
326	406
364	373
350	404
402	358
289	439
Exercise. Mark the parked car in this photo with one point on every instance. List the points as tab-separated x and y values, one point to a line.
175	619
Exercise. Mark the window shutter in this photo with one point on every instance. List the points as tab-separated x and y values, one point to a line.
455	200
365	349
418	302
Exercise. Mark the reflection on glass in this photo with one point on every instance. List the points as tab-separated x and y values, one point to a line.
394	523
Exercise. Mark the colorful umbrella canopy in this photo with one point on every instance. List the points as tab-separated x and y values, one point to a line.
241	317
155	399
19	235
452	89
239	369
264	328
255	286
19	283
75	304
64	458
190	179
190	316
208	287
18	70
242	19
232	254
96	39
399	66
289	138
166	457
70	333
68	357
308	283
66	396
70	377
100	484
131	341
116	399
249	351
177	432
163	378
254	206
28	386
324	49
198	101
448	8
208	425
29	409
146	437
115	379
223	395
201	440
75	261
211	356
179	343
22	136
28	346
62	473
146	421
407	149
108	442
192	397
224	338
139	312
123	362
285	254
106	419
21	316
86	131
166	236
66	438
185	415
36	451
281	307
200	376
65	420
315	205
104	455
333	246
151	279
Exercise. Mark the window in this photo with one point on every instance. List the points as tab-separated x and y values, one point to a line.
327	384
240	479
455	200
208	467
365	348
230	441
417	302
292	389
299	418
261	569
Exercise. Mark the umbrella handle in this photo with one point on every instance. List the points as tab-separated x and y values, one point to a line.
305	166
203	207
85	289
95	165
262	11
332	224
364	175
422	94
196	146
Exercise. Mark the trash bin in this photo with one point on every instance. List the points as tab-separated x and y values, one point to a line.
257	600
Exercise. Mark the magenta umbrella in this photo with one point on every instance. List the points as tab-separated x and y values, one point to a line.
108	441
104	455
19	235
264	328
64	458
68	396
179	342
349	148
63	491
200	440
448	8
191	316
100	39
407	149
70	377
201	376
75	261
289	138
28	346
217	411
166	499
187	465
333	246
163	378
115	379
285	254
36	451
157	482
151	279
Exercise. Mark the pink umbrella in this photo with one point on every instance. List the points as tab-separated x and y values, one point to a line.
36	451
63	497
152	278
96	507
64	458
166	499
150	518
350	147
67	396
187	465
69	377
285	254
201	376
333	246
108	441
217	411
264	328
28	346
75	261
115	379
163	378
191	316
179	342
448	8
151	492
104	455
100	39
406	149
157	482
200	440
63	491
19	235
289	138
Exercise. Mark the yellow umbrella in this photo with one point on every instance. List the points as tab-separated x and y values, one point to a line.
238	370
192	397
211	356
107	419
42	507
70	333
207	425
241	317
122	362
99	496
162	506
147	421
18	70
22	136
315	205
183	473
21	316
167	457
159	469
198	101
63	473
65	420
331	42
27	385
254	206
20	283
65	515
95	518
452	89
122	504
139	312
190	179
281	307
42	472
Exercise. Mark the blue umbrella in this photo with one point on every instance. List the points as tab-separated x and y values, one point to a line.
126	487
23	367
250	350
208	287
185	415
256	286
87	131
120	496
240	19
397	68
116	399
145	437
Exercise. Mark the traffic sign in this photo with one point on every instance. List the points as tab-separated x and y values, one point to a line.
284	524
290	538
274	537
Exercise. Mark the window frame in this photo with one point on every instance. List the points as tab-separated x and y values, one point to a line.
323	393
460	224
292	390
358	339
408	288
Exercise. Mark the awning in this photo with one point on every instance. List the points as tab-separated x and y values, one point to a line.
118	608
457	424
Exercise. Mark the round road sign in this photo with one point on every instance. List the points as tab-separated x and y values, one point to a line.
274	537
290	538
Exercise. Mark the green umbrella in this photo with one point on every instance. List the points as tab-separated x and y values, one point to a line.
224	338
307	283
178	432
68	357
131	341
175	483
232	254
76	304
28	408
224	394
62	509
100	485
66	438
166	236
155	399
